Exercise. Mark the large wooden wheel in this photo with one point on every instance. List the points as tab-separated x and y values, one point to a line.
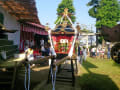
115	53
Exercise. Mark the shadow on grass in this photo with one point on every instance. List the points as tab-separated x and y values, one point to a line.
116	64
93	81
87	65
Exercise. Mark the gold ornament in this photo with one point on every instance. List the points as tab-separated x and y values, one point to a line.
64	24
66	11
47	27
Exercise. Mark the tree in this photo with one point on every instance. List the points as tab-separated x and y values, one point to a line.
93	13
106	12
66	4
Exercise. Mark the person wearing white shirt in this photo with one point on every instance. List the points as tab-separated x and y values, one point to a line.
93	52
43	50
42	42
31	43
29	53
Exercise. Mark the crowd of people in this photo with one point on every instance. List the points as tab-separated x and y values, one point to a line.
33	52
94	52
46	50
100	52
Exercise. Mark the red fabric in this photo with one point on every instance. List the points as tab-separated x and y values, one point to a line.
36	53
21	28
22	41
27	33
37	25
56	40
38	30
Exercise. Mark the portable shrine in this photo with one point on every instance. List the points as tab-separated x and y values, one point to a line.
62	39
63	36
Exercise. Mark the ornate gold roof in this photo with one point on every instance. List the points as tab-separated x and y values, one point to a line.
63	29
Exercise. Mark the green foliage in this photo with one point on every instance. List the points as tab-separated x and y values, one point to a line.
106	12
100	39
86	31
93	11
93	3
66	4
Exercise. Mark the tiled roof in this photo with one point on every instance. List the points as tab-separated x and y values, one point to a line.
22	10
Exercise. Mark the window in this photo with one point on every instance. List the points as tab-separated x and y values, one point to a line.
1	18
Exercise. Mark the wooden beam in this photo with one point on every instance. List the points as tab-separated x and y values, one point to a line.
19	12
62	60
29	17
39	60
29	20
14	76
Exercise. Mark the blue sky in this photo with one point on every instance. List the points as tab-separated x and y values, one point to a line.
47	12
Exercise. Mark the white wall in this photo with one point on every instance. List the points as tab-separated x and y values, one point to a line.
11	23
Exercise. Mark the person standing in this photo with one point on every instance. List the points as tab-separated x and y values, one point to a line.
93	52
97	52
47	49
84	53
108	53
42	42
26	47
29	54
81	55
43	50
103	53
78	54
31	43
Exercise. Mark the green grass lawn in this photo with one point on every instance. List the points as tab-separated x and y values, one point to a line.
99	74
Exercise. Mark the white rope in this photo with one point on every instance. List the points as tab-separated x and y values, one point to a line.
59	20
62	19
73	43
53	74
25	77
28	76
27	69
49	33
53	77
72	47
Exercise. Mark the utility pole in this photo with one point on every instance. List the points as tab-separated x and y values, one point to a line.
97	30
91	36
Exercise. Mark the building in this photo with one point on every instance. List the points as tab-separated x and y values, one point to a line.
20	15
